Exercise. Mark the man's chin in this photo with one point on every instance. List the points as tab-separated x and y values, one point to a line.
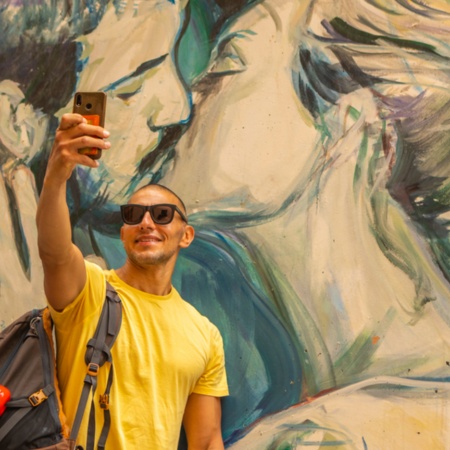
148	259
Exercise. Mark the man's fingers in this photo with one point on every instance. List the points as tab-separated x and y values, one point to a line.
89	162
75	135
93	130
69	121
86	141
68	148
76	125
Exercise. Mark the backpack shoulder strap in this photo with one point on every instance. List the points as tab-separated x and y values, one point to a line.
97	353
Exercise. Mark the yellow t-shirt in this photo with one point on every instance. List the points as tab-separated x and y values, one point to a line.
165	351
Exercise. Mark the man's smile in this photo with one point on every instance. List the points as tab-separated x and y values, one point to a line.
146	239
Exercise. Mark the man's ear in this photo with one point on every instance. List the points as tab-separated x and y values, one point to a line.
188	236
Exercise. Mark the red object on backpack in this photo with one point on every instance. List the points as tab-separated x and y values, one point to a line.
5	395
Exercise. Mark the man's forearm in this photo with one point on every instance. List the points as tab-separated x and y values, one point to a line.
53	224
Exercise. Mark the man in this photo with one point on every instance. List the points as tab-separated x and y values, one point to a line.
168	359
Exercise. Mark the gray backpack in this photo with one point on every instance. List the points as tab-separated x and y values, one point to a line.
34	417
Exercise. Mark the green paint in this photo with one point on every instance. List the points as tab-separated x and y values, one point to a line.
195	45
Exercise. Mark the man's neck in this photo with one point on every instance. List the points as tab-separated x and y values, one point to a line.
156	280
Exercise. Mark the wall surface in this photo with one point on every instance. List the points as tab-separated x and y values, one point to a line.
309	141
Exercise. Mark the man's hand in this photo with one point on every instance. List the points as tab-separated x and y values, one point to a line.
73	134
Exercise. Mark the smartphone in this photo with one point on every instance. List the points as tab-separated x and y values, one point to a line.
91	105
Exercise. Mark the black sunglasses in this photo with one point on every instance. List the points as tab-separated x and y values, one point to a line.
161	214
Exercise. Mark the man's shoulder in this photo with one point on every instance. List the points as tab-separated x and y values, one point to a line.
198	316
97	271
95	264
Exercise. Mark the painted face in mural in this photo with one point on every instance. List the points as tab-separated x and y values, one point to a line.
252	143
250	137
130	57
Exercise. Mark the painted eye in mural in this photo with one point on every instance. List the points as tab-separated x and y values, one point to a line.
128	90
228	57
127	87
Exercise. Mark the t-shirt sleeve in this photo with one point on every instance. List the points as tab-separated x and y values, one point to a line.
87	303
214	380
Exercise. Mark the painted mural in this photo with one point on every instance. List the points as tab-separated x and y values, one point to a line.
310	141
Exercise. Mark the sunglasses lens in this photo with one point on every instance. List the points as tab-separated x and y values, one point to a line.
132	214
162	214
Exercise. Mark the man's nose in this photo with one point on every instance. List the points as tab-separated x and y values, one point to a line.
147	221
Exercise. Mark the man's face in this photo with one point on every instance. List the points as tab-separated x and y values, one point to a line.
129	56
148	243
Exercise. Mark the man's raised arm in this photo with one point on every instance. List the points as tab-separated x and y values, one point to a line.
63	262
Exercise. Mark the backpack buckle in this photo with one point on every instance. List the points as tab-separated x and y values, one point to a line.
37	398
92	369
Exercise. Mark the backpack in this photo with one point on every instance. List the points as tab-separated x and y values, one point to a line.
34	417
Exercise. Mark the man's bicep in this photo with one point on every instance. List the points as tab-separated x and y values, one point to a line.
202	422
63	282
